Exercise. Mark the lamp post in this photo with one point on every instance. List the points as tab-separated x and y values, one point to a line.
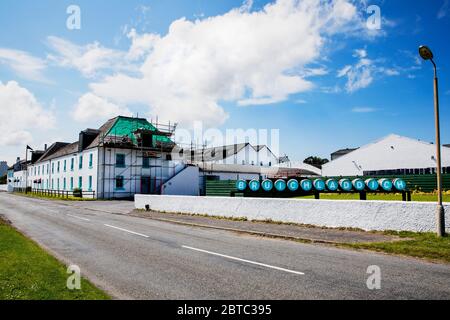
26	167
427	54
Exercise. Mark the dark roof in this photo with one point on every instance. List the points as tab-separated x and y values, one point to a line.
347	150
103	130
447	145
52	151
65	149
216	153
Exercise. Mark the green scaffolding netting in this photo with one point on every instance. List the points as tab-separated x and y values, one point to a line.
127	127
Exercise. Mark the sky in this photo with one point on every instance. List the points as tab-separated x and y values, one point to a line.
327	74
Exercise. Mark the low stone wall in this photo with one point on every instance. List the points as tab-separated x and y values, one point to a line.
3	187
366	215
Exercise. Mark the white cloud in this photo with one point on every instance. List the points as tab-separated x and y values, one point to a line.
443	11
244	56
21	112
90	59
364	110
359	76
93	108
362	73
141	44
24	64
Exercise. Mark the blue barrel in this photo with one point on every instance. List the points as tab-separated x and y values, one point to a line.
254	185
306	185
241	185
319	185
280	185
399	184
345	185
293	185
386	184
372	184
358	184
332	185
267	185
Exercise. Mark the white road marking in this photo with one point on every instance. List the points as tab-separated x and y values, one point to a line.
85	219
129	231
243	260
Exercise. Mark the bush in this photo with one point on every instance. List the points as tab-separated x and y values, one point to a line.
77	192
3	179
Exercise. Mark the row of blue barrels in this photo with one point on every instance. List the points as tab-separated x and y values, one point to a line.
307	185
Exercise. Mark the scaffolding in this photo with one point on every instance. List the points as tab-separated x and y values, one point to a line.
136	139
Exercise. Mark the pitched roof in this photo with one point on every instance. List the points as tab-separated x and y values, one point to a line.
54	148
217	153
59	149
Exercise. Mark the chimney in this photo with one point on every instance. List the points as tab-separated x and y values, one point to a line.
45	147
18	160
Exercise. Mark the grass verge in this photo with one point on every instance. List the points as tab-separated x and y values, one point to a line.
27	272
38	196
415	196
420	245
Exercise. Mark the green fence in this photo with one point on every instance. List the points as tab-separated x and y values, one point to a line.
220	188
419	182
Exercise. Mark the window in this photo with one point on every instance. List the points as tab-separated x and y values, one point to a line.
57	167
120	160
39	170
90	183
64	184
65	166
52	186
53	167
119	182
146	162
91	156
270	163
72	161
71	183
80	182
80	163
57	184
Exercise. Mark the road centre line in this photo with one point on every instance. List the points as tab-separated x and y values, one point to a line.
129	231
244	260
85	219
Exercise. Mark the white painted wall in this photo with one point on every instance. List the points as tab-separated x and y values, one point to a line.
17	180
367	215
52	178
185	183
391	152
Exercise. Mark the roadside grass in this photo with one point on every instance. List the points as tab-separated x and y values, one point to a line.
420	245
27	272
41	196
415	196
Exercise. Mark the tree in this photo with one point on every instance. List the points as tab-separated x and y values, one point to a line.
3	179
316	161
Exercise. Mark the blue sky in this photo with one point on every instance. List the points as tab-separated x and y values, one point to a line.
231	64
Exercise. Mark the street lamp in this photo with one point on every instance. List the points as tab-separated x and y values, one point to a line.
427	54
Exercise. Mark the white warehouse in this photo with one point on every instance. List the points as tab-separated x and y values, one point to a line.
392	155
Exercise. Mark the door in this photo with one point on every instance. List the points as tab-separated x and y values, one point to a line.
145	185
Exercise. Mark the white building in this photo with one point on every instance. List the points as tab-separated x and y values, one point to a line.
392	155
236	154
123	157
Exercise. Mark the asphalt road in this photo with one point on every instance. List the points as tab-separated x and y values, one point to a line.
138	258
